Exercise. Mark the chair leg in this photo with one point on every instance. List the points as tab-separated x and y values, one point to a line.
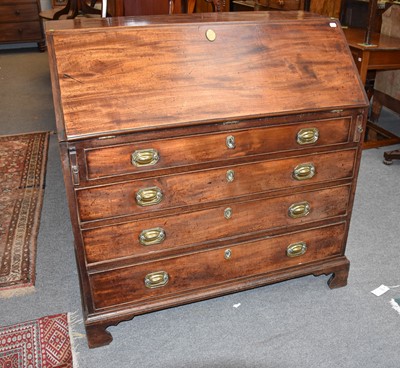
389	156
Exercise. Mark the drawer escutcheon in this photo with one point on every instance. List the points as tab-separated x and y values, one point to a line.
156	279
230	142
296	249
149	196
304	171
300	209
145	157
307	136
152	236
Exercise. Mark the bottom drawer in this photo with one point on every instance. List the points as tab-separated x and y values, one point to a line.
23	31
166	277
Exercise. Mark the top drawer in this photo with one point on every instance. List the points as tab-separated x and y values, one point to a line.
19	12
161	154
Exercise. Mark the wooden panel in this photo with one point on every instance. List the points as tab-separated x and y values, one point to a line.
211	185
116	160
326	7
173	75
19	13
24	31
283	4
118	241
210	268
149	7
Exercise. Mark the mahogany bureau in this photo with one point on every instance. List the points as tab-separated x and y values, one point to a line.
204	154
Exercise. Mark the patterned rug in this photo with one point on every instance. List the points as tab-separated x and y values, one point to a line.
22	172
42	343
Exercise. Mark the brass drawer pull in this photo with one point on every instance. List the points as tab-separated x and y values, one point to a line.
152	236
300	209
145	157
149	196
307	136
304	171
156	279
296	249
230	142
227	254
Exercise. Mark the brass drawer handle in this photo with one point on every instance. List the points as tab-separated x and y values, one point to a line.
145	157
296	249
304	171
152	236
156	279
300	209
230	142
149	196
307	136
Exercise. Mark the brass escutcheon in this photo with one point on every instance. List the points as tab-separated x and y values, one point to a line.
145	157
307	136
227	254
228	213
230	142
300	209
296	249
230	176
304	171
152	236
156	279
149	196
211	35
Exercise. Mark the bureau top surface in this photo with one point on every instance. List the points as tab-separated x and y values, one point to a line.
118	75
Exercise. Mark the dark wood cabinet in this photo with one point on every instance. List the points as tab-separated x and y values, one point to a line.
204	154
20	22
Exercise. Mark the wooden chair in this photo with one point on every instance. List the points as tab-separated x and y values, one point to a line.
387	83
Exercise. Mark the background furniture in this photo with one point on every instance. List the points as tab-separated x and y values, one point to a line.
186	180
20	22
387	83
73	8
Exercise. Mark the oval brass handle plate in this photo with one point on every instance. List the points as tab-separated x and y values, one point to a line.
149	196
307	136
304	171
296	249
156	279
300	209
230	142
152	236
145	157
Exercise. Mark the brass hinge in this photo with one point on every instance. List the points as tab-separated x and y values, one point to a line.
74	165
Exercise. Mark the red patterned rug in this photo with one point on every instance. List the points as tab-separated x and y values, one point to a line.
22	172
43	343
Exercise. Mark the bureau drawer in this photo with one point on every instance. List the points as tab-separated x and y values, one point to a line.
19	12
178	275
156	235
23	31
161	154
149	195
